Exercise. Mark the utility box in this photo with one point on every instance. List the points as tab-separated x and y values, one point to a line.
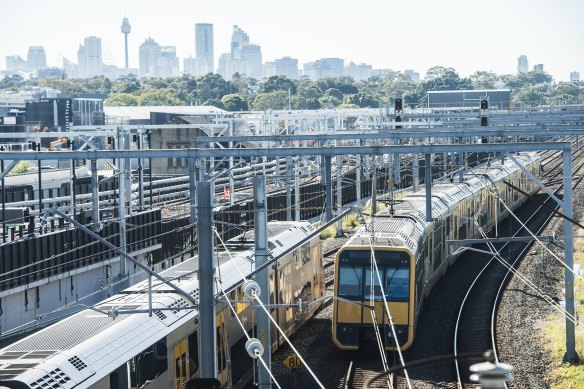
15	216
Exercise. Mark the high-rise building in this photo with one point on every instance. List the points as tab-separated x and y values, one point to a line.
194	66
252	61
168	62
89	58
574	76
522	65
414	76
36	58
157	61
538	68
324	67
15	63
204	51
288	67
148	58
358	72
244	58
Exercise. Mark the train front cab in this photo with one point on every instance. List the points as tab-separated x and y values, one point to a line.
352	323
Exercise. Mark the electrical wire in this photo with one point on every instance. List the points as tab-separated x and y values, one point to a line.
387	311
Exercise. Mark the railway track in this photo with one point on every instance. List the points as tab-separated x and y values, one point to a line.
476	323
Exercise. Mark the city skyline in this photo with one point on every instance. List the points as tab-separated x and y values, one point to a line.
378	33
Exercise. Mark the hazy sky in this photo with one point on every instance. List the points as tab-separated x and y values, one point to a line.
417	34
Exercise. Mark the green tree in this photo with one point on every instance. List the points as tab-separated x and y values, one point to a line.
278	83
301	102
12	81
362	100
234	102
523	80
309	90
98	84
212	86
121	100
71	87
345	84
159	97
128	83
483	80
214	103
331	98
243	85
155	83
440	78
272	100
185	88
531	95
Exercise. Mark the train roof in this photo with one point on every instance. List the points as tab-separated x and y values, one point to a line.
71	351
406	224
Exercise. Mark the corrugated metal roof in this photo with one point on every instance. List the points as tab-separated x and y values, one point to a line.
143	112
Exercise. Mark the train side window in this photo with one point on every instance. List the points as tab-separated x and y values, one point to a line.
350	281
148	365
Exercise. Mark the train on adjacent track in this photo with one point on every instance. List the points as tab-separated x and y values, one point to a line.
108	347
412	253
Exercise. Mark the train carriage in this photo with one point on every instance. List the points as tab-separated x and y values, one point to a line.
123	350
412	254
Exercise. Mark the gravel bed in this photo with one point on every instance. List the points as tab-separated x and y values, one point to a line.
522	311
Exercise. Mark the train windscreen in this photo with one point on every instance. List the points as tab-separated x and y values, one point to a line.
356	281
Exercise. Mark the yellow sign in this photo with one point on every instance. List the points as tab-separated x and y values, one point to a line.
390	181
293	362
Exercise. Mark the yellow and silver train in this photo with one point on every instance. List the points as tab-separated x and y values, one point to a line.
93	350
412	254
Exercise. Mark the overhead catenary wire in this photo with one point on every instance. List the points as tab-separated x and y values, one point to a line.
387	311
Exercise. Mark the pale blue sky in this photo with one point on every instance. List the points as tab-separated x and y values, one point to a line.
466	35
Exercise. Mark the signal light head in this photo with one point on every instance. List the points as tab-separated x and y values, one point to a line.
484	104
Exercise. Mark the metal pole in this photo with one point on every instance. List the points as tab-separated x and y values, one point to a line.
428	182
328	188
150	173
122	210
297	194
94	195
571	354
207	345
288	187
261	257
192	191
128	170
40	188
460	162
72	187
231	183
338	158
140	172
3	200
373	187
416	172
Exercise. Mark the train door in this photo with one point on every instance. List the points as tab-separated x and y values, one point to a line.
222	350
181	364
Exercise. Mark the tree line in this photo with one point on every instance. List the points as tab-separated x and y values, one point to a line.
243	93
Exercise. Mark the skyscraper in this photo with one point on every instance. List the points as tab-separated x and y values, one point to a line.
538	68
522	65
89	58
204	46
574	76
244	58
15	63
157	61
324	67
36	58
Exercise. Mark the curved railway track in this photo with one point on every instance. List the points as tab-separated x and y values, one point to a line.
476	322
